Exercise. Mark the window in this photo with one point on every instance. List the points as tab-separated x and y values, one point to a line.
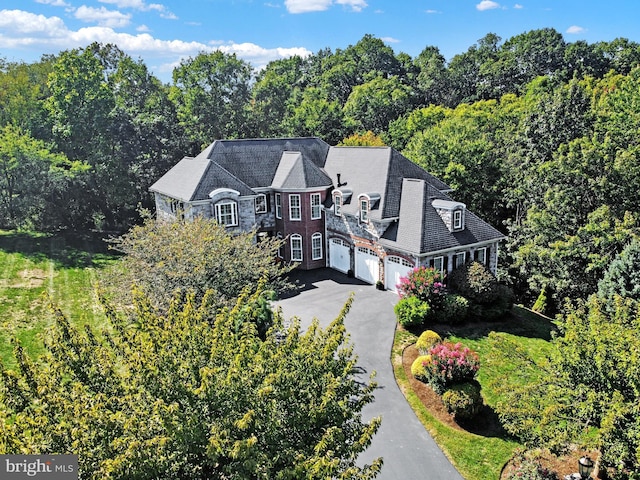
364	210
458	260
278	205
438	264
315	206
316	246
337	204
294	207
457	219
227	214
261	203
296	248
481	255
280	245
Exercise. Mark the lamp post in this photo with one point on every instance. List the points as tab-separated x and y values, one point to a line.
585	467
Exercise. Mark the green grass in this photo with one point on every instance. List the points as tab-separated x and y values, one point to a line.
478	456
36	266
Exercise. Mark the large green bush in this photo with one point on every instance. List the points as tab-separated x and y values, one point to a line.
463	400
411	311
455	309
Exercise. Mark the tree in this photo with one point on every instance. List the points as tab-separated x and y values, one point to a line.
367	139
622	278
171	395
193	255
315	115
36	184
212	95
587	394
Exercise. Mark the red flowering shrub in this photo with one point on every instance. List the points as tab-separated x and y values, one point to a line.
425	284
449	364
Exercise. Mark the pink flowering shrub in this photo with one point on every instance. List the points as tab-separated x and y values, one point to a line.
449	364
425	284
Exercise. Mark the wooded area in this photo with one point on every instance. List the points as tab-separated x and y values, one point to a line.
536	135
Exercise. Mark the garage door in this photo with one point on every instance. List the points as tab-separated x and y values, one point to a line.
339	256
367	265
394	268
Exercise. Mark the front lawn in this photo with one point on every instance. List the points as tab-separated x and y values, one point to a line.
35	267
480	449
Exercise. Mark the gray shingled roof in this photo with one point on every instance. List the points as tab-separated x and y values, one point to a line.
297	172
375	170
255	161
420	228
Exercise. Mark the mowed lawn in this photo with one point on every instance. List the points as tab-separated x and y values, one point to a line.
36	268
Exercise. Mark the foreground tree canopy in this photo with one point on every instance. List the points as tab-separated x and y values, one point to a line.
181	396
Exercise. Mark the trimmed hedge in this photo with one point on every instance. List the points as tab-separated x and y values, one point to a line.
418	367
411	311
463	400
426	340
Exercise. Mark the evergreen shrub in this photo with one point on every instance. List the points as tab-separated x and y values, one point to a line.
411	311
463	400
426	340
418	367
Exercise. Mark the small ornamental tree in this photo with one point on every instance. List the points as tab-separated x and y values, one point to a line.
425	284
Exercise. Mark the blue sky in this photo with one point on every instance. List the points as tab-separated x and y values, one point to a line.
162	32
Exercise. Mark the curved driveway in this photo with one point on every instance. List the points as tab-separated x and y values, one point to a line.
408	450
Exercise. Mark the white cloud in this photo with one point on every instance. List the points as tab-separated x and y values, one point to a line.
390	40
575	29
306	6
517	6
20	29
142	6
487	5
102	16
356	5
143	28
432	12
54	3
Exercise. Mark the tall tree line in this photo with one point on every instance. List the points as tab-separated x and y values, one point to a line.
535	134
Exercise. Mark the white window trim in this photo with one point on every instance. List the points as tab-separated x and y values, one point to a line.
484	251
458	219
364	210
234	213
296	237
280	252
316	237
315	207
298	207
441	260
337	204
264	203
278	205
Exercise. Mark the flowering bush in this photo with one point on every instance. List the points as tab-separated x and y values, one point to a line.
423	283
450	363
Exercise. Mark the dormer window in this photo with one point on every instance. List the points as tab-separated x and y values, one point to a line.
261	203
457	219
452	213
227	213
364	210
337	203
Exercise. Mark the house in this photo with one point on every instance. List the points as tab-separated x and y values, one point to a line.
365	211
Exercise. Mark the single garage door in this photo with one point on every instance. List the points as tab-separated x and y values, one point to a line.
339	255
394	268
367	265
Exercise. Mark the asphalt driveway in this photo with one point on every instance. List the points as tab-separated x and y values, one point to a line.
408	450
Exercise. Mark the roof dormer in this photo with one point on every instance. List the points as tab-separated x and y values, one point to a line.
452	213
367	202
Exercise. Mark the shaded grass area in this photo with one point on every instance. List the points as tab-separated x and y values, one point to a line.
34	267
479	450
